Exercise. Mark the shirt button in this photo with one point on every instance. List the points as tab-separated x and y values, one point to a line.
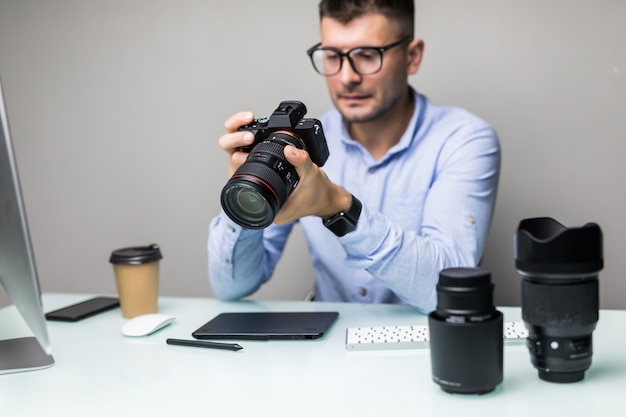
363	292
228	262
371	170
231	229
471	220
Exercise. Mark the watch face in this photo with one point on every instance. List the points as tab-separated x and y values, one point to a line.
345	222
340	224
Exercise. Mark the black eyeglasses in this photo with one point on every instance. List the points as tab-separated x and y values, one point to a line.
364	60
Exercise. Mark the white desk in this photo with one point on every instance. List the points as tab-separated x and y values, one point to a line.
99	372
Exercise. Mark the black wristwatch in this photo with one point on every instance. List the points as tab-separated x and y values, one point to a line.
344	221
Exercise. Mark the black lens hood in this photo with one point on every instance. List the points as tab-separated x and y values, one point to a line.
545	246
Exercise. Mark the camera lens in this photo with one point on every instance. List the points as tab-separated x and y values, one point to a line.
259	188
560	295
466	333
249	204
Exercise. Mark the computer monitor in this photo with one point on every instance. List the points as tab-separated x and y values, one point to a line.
18	274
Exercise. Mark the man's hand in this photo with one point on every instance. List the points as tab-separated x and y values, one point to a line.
315	194
232	141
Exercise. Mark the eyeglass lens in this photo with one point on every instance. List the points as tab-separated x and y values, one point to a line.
363	60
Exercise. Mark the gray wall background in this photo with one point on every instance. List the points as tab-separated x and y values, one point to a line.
116	107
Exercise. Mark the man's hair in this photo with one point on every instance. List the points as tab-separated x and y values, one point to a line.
402	11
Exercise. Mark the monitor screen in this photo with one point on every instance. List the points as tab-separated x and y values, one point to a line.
18	274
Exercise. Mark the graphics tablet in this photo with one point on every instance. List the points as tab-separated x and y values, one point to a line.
267	325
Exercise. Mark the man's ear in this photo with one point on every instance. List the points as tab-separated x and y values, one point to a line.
415	52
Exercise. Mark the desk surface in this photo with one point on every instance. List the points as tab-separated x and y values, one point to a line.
99	372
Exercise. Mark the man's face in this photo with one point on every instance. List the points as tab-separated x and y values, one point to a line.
365	98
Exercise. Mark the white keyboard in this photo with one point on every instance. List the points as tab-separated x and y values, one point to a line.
413	337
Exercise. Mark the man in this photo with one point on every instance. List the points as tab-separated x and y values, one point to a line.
412	185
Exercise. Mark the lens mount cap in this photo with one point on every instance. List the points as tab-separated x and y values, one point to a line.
461	277
465	292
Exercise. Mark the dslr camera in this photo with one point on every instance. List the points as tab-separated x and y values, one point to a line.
255	193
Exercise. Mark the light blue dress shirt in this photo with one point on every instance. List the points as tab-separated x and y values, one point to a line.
427	205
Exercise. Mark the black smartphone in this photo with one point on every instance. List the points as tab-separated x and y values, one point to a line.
84	309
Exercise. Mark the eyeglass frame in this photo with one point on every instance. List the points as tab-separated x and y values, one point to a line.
380	49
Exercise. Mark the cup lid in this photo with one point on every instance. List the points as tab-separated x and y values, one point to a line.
136	255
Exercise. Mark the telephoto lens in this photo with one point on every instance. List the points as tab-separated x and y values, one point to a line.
559	268
466	333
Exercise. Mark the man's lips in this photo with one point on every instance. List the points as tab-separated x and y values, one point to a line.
353	97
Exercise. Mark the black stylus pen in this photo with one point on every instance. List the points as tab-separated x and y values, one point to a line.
204	344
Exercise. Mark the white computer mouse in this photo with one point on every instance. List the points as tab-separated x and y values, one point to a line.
146	324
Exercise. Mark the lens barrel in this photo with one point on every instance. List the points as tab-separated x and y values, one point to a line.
559	268
256	192
466	333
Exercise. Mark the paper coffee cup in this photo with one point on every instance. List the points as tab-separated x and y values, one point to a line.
136	272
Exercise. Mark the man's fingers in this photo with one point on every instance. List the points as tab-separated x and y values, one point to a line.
237	120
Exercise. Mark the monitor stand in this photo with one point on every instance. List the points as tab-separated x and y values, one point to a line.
23	354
